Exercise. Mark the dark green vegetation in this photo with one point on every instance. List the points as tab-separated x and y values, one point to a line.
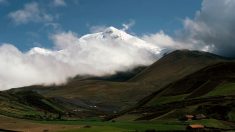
156	97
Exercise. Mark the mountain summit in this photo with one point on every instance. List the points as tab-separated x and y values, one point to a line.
114	34
108	35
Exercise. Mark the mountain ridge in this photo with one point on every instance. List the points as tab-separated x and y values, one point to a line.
179	61
93	97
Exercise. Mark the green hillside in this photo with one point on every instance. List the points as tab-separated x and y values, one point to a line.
181	82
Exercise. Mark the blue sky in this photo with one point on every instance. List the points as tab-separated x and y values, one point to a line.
79	16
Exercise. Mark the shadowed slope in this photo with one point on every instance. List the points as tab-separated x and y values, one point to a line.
176	65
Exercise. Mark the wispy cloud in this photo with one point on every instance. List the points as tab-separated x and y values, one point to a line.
30	13
128	25
59	3
4	2
163	40
98	28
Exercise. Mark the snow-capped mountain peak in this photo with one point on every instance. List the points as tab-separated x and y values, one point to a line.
114	34
108	33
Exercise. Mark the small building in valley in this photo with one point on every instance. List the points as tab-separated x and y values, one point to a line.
195	128
188	117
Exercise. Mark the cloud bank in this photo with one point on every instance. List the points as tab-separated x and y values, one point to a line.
212	29
213	26
71	56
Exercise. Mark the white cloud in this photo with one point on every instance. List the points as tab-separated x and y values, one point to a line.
71	56
162	40
128	25
212	29
65	39
30	13
167	42
59	3
99	28
213	26
22	69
